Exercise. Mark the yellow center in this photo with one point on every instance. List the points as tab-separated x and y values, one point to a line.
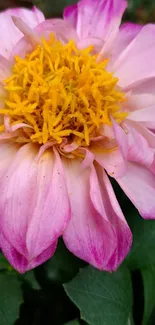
62	92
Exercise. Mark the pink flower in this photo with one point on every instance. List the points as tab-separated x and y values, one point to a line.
77	105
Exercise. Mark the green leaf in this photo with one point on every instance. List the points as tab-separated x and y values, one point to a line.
148	276
4	264
130	320
10	299
29	278
132	4
103	298
61	268
142	252
73	322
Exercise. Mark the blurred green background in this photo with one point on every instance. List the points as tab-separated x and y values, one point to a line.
141	11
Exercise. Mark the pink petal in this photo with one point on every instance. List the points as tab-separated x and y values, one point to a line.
149	137
8	135
139	185
12	128
139	101
7	151
147	134
112	161
146	116
107	131
61	29
31	195
32	17
89	158
89	234
141	96
5	68
133	146
105	202
96	42
96	18
70	14
43	148
29	34
114	15
136	63
17	200
11	35
69	147
126	34
18	261
52	209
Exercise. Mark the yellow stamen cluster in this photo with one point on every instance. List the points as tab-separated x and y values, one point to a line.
62	92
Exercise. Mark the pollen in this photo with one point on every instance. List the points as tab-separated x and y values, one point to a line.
62	92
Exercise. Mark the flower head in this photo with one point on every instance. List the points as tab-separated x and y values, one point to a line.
60	91
77	103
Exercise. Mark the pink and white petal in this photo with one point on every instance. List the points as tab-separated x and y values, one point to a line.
32	17
43	257
126	34
141	96
69	147
31	195
21	48
96	42
11	35
146	87
105	202
146	116
139	101
89	158
95	18
107	131
133	146
146	133
8	135
113	12
7	152
30	35
111	160
12	128
18	261
70	14
5	68
152	167
17	199
89	234
51	212
139	185
149	137
136	63
60	28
